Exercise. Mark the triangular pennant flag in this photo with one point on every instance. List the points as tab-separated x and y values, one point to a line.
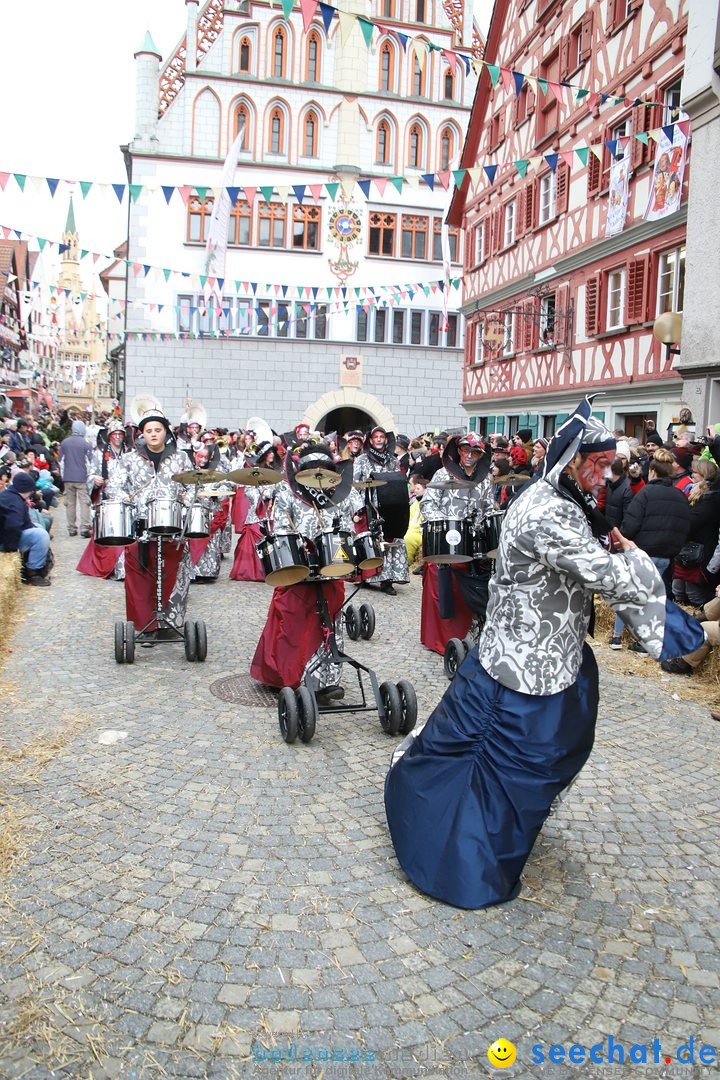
347	25
552	160
4	177
580	94
413	182
250	193
364	186
543	85
85	186
597	151
327	13
593	100
519	82
397	183
367	28
282	192
567	156
52	184
557	91
233	195
684	126
299	192
267	193
493	71
185	192
668	132
315	191
444	178
451	58
429	179
135	190
166	273
119	190
168	191
582	153
41	242
656	135
612	146
490	171
477	65
458	176
20	179
475	175
332	189
506	78
403	39
521	166
308	8
287	6
381	184
201	193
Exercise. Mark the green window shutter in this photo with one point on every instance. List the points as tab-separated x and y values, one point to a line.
532	423
472	426
600	415
560	419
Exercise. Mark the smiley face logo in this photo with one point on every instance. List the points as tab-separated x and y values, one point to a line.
501	1054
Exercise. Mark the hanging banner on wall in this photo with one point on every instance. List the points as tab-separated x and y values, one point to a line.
618	195
217	238
667	180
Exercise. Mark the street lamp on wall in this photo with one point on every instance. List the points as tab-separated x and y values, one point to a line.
667	328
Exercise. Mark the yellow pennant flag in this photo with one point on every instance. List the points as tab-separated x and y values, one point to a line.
475	175
597	151
418	47
347	25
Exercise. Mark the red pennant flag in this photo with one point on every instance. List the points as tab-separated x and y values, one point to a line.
308	8
185	193
444	178
381	184
557	91
316	191
567	156
507	79
250	193
684	126
4	177
451	59
592	100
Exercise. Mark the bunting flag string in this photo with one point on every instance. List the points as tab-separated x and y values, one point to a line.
420	45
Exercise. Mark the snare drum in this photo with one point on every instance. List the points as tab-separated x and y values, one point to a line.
493	527
448	540
164	517
114	523
197	521
366	552
334	554
283	558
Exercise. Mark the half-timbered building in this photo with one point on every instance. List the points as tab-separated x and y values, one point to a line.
559	299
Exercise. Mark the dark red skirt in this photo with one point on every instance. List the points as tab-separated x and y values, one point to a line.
434	631
246	564
292	633
218	522
140	583
99	560
240	507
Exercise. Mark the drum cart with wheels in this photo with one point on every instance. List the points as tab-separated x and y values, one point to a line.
193	634
395	704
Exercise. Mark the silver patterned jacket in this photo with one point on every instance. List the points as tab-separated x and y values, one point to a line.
136	474
548	567
460	504
95	467
291	514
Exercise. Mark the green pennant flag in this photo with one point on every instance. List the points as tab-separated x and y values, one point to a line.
287	6
83	253
20	178
202	192
85	186
580	94
493	71
135	190
619	101
367	28
521	166
542	83
582	152
458	176
267	193
642	136
166	273
203	280
332	190
41	242
397	183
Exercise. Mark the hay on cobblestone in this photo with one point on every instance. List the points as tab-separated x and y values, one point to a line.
10	586
703	686
49	1026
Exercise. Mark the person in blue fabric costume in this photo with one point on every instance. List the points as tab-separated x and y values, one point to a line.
468	791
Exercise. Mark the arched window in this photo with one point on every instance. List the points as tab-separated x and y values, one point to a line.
418	86
245	54
382	146
446	147
278	53
276	132
240	224
415	147
449	85
420	6
243	122
387	9
387	67
199	214
310	135
312	67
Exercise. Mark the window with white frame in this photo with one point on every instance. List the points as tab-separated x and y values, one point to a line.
671	280
479	356
509	234
548	205
479	243
398	327
509	327
361	324
416	327
615	299
547	322
381	321
671	103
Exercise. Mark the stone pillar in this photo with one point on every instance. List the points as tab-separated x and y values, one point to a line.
191	36
699	361
147	69
351	65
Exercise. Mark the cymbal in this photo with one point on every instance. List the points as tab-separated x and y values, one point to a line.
318	478
221	493
363	485
254	476
514	478
198	476
454	485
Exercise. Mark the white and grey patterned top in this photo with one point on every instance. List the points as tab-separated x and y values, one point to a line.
291	514
136	473
95	467
364	466
548	567
459	504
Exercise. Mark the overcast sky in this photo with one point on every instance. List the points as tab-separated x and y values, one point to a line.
67	114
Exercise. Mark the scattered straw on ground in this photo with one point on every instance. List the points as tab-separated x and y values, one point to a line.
9	594
703	686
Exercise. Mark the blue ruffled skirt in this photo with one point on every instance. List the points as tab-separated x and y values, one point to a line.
467	799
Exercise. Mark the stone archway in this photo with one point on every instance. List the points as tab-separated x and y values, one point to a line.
352	398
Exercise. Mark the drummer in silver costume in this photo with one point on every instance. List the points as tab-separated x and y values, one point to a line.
379	456
207	456
104	462
145	473
439	503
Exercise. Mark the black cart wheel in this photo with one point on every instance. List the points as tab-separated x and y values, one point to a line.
352	622
468	642
367	621
454	656
408	706
288	714
190	642
201	639
307	714
393	708
129	643
119	641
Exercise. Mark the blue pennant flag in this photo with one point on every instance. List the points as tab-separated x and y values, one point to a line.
519	82
284	289
612	146
364	186
168	193
253	286
429	179
315	292
119	190
299	191
490	171
552	160
668	132
403	39
52	184
327	13
233	195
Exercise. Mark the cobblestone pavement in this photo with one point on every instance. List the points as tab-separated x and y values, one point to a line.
200	894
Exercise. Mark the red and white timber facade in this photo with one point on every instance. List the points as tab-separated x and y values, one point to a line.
554	306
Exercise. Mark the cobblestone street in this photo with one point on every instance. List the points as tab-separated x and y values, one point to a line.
199	894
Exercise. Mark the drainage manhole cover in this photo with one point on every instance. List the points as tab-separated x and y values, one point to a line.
243	690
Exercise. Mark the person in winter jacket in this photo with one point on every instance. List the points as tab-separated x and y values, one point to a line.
692	582
17	532
618	495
